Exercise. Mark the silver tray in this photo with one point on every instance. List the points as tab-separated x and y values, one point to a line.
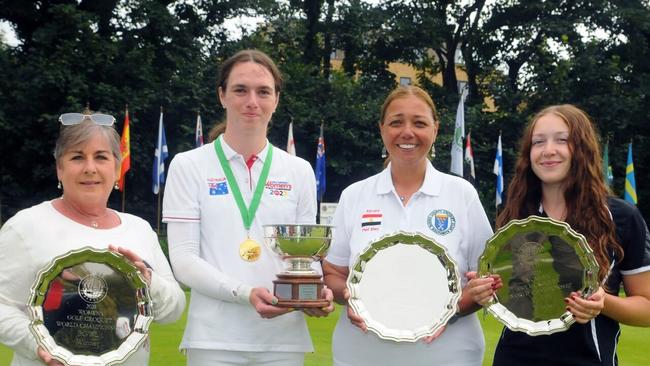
540	262
90	307
405	286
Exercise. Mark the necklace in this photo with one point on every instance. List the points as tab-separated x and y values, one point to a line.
94	221
402	198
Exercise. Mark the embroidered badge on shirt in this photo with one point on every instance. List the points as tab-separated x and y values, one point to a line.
371	220
441	222
217	186
278	188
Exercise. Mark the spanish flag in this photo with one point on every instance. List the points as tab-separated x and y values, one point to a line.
125	150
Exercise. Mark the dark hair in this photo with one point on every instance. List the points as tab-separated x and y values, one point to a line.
255	56
585	191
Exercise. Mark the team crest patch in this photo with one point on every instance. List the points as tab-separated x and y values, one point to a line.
217	186
371	220
441	222
278	188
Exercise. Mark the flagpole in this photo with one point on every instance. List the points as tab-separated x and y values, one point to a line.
158	213
159	186
126	109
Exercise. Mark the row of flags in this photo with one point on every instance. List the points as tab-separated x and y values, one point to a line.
630	183
457	152
161	153
319	171
457	160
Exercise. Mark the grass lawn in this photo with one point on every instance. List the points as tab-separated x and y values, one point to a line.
632	348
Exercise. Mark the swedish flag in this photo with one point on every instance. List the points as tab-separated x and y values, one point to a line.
630	184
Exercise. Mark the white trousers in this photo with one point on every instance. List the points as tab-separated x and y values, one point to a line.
204	357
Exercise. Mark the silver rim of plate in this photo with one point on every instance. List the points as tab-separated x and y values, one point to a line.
506	303
405	286
95	291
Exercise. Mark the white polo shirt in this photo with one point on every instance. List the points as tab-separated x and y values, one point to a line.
447	209
197	191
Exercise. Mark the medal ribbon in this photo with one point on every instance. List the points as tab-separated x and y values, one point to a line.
247	214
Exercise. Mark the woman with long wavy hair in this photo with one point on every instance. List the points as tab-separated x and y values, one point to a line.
558	174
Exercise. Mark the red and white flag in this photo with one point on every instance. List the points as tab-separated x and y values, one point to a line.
469	159
291	144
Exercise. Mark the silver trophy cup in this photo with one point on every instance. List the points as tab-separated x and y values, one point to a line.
299	286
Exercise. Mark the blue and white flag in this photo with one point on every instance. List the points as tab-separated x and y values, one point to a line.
498	170
161	153
630	182
459	132
198	134
320	166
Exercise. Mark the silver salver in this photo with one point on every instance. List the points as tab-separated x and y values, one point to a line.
540	262
90	307
405	286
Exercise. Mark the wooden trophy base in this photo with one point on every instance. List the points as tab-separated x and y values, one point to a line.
299	291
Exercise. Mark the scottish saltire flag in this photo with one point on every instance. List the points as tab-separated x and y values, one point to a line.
457	143
161	153
607	169
630	183
469	159
320	166
125	151
198	134
291	144
498	170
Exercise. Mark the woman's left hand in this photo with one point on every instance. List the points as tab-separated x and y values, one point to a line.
325	311
135	259
584	310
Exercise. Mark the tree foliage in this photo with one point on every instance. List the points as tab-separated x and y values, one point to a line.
521	54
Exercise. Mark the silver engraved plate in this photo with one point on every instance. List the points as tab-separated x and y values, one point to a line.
540	261
90	307
405	286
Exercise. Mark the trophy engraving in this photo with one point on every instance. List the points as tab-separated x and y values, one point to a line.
299	286
90	307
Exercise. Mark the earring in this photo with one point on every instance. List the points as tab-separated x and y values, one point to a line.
384	154
59	186
433	152
117	185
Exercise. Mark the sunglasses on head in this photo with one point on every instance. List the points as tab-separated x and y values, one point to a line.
68	119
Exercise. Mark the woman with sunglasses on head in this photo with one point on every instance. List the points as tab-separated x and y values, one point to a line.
87	155
410	195
558	174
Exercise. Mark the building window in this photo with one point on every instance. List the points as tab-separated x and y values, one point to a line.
404	80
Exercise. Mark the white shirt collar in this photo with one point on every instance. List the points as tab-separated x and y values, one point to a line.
230	153
431	185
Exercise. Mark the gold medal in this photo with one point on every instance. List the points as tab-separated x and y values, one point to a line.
249	250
